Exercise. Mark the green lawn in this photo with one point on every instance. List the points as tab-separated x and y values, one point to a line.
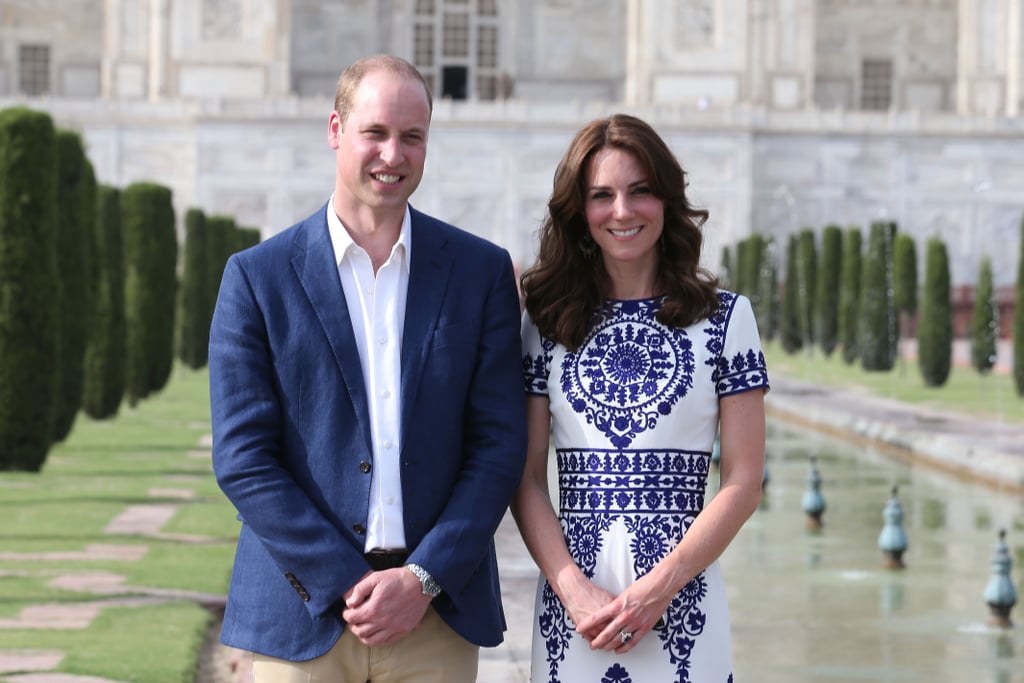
966	391
147	454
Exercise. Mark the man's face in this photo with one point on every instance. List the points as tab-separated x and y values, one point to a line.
382	145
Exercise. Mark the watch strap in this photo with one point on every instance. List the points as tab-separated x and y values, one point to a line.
427	583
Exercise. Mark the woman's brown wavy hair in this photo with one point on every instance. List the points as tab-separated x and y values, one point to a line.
568	283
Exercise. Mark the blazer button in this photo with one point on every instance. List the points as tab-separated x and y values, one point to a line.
359	529
364	467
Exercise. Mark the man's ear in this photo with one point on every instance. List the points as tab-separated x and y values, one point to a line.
333	130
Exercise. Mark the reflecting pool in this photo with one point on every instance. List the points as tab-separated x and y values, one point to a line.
820	606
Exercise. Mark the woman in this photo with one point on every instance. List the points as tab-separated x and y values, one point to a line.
633	361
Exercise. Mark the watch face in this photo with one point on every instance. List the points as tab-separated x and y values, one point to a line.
429	585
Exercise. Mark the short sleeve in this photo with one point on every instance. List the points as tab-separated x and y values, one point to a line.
536	358
741	365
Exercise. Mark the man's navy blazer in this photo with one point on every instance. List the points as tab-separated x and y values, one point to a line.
291	432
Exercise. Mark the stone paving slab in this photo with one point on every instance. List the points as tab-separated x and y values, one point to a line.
54	678
138	520
30	660
93	551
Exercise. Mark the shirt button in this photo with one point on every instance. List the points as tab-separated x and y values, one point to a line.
387	443
382	340
386	393
390	500
364	467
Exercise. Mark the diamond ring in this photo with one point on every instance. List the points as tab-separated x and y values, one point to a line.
625	636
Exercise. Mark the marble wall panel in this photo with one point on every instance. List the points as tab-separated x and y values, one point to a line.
248	206
222	81
699	90
130	80
80	81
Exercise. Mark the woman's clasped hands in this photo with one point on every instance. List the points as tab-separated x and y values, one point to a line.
621	621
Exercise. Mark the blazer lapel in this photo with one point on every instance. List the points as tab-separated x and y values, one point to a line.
429	270
313	261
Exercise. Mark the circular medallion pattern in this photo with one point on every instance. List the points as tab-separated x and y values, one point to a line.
630	370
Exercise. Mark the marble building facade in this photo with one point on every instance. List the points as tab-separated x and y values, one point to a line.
786	113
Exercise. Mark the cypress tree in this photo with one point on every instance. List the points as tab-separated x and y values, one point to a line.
219	246
827	299
985	321
904	270
29	333
105	354
905	274
76	213
247	237
849	294
767	312
935	331
791	330
1018	319
194	304
755	260
808	278
725	269
877	334
151	249
742	256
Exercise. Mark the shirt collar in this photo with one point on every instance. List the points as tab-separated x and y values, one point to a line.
343	243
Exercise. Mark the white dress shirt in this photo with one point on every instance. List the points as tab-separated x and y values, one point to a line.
376	306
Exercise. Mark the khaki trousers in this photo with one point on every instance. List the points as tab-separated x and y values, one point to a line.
432	653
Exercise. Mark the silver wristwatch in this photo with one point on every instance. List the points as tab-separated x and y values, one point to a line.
429	585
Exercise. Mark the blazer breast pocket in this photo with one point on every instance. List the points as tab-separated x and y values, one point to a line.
452	353
461	335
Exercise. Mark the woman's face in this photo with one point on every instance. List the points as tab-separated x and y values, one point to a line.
624	216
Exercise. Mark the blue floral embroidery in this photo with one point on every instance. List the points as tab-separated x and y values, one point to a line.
629	371
616	673
741	372
657	495
556	628
536	369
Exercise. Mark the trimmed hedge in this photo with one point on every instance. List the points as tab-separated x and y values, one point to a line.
151	254
725	272
767	310
849	295
985	321
935	331
194	301
790	329
220	243
247	237
76	214
29	333
808	274
827	299
905	275
105	355
878	334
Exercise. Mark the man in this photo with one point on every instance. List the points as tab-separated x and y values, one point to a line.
368	416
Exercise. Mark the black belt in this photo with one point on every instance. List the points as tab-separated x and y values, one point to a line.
380	560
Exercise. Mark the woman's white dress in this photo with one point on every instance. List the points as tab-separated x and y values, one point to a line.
634	420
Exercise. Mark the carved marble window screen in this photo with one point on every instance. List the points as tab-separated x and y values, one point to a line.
34	69
455	43
876	84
